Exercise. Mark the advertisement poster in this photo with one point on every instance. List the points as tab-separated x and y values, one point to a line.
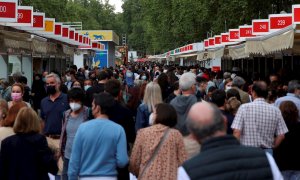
101	57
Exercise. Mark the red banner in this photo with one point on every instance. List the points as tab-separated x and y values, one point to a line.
246	32
65	32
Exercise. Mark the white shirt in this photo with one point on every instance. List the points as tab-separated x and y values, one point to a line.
182	175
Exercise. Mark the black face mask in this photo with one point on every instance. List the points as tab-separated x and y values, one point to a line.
51	90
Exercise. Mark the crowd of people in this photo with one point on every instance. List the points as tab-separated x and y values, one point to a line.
149	121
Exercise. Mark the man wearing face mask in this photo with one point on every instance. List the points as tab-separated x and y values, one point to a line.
71	121
53	106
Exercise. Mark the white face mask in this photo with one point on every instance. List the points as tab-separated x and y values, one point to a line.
68	78
87	87
144	78
227	88
75	106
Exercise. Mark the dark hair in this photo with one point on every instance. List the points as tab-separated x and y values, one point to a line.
166	115
76	94
218	97
176	85
261	89
105	101
23	80
289	112
201	80
202	131
113	87
233	93
103	75
255	76
212	89
109	73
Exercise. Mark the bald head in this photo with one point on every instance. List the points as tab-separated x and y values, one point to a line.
205	120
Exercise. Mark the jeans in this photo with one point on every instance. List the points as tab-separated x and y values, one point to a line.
270	151
291	175
64	174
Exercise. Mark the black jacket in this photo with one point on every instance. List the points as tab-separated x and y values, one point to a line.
26	157
224	158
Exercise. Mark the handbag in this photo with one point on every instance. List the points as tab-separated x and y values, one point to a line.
155	151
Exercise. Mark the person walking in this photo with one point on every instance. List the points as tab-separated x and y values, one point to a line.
99	146
256	123
71	121
26	155
159	149
222	156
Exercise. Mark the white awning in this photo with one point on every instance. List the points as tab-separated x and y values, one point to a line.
237	52
274	42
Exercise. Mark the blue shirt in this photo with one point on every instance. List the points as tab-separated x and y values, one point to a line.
52	113
99	148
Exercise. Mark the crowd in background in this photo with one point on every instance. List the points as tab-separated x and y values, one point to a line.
149	121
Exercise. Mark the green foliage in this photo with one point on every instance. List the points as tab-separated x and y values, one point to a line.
158	26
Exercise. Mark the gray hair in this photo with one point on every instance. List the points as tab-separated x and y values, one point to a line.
238	82
226	75
293	85
55	76
205	130
186	81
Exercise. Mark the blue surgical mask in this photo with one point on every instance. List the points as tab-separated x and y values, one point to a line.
129	74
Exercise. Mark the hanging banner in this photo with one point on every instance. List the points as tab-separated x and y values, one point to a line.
38	21
280	21
234	34
8	11
260	26
296	14
25	17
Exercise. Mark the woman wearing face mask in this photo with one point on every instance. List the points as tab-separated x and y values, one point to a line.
228	84
77	84
71	121
17	92
87	84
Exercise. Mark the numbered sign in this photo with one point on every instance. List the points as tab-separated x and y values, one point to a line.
49	26
296	14
58	29
225	38
76	36
206	43
260	26
80	38
280	21
234	34
245	32
65	31
217	40
72	34
25	16
8	11
38	21
211	41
